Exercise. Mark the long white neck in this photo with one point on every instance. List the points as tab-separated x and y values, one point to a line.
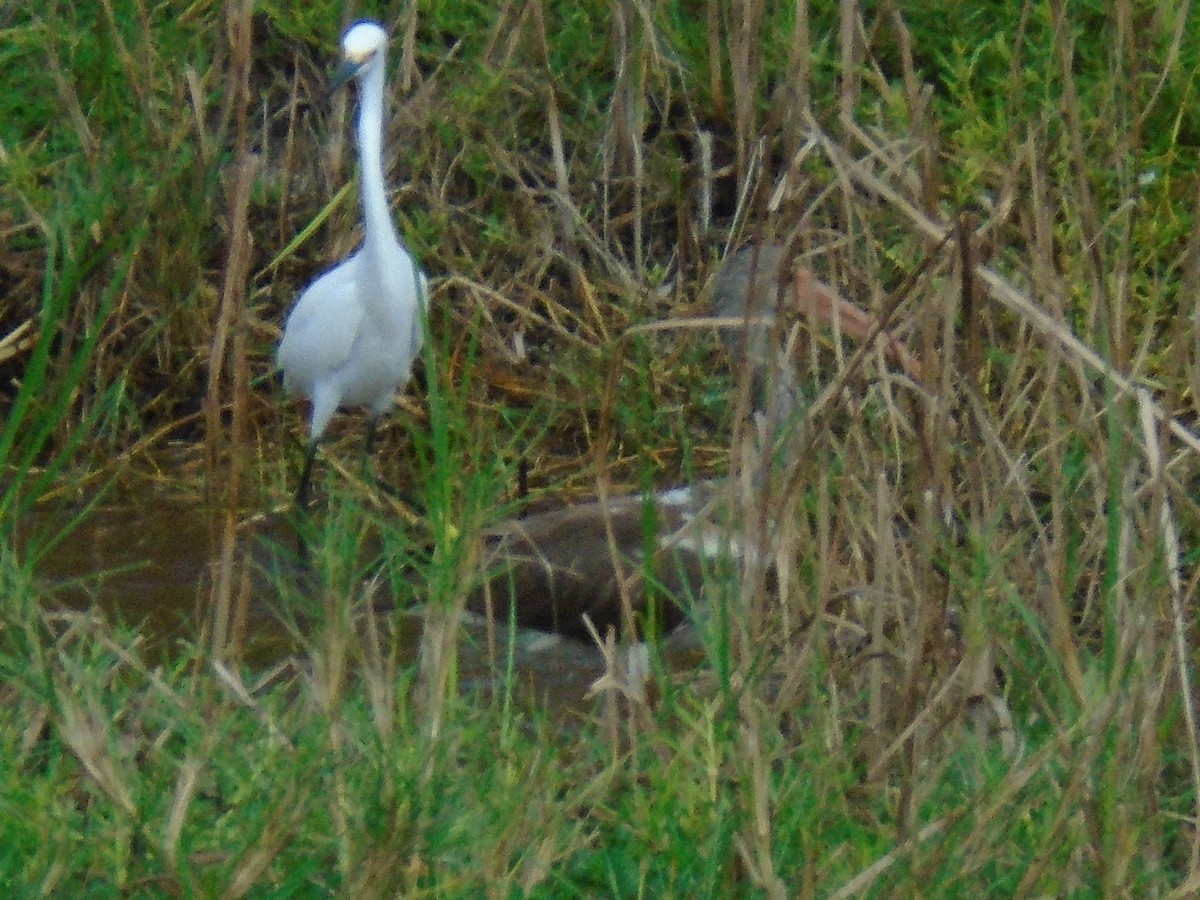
377	219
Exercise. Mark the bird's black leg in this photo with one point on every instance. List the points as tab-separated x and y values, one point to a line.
403	496
302	503
368	447
306	476
372	427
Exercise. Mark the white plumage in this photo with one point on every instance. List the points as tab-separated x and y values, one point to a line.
353	335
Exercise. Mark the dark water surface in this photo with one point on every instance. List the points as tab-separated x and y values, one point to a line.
145	564
151	564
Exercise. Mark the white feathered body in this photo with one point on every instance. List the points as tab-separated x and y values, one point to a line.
353	335
337	353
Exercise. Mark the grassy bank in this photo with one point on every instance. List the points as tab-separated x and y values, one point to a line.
974	669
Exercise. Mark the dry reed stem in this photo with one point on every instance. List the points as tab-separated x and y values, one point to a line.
850	54
1179	625
237	689
255	861
999	288
745	64
1108	305
18	340
438	667
84	726
562	178
755	844
70	100
186	784
457	551
800	61
379	670
229	354
861	883
608	685
330	662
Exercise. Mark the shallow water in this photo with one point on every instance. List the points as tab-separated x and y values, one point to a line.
151	565
144	565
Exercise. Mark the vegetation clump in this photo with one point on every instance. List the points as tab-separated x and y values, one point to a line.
967	663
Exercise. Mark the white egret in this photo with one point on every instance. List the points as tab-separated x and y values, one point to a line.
354	333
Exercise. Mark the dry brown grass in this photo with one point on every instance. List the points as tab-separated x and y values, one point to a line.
983	578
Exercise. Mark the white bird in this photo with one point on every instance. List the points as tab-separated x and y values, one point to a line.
354	333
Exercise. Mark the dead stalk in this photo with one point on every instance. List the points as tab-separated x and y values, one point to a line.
228	358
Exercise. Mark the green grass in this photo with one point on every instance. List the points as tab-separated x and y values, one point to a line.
975	674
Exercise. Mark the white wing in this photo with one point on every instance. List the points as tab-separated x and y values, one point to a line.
321	328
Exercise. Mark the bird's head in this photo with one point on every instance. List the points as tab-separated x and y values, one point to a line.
363	42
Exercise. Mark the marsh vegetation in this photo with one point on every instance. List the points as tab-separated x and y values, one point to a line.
972	667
